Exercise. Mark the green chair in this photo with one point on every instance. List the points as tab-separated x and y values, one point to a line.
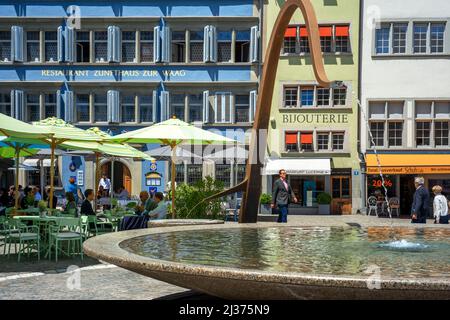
3	232
68	230
27	237
94	227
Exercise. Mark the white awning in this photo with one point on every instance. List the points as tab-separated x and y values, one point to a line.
36	162
298	166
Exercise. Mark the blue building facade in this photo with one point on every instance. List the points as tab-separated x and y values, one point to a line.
122	65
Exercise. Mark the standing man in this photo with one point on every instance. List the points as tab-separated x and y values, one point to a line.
282	195
421	202
106	184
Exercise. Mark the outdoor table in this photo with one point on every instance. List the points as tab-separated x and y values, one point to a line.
30	211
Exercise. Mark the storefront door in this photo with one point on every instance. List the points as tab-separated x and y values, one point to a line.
407	190
341	193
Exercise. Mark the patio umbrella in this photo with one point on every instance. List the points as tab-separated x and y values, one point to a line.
20	136
8	152
165	153
172	132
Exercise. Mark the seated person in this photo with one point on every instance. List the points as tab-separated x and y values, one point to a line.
147	204
70	204
160	211
47	198
122	193
28	200
86	207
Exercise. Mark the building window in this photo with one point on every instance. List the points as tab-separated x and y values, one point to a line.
326	39
441	133
100	108
323	97
306	141
5	46
82	107
51	46
241	171
377	131
291	141
333	38
179	46
101	46
179	173
338	141
146	46
33	107
342	39
290	97
382	39
50	105
82	45
242	46
307	96
194	173
242	107
224	46
437	37
33	46
146	108
196	46
399	37
290	40
223	174
420	37
340	97
128	108
128	46
195	107
177	103
423	134
304	42
222	107
395	134
5	103
322	141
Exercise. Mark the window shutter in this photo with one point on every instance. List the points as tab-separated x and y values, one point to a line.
18	104
205	106
58	104
164	105
231	109
166	38
155	106
114	44
206	41
68	107
254	40
61	44
213	44
16	44
69	44
13	107
252	111
113	106
156	44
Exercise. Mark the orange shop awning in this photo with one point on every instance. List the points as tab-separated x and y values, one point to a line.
342	31
291	138
306	138
409	163
303	32
326	31
290	32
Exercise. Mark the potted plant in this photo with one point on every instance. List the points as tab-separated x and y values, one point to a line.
324	201
42	205
265	201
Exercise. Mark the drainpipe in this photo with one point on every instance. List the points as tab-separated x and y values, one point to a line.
360	152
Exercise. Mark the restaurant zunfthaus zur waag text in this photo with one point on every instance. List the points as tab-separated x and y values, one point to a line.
121	65
313	130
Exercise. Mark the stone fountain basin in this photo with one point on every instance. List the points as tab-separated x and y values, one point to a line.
235	283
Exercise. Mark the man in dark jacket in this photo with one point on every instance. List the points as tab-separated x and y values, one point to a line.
86	206
282	195
420	206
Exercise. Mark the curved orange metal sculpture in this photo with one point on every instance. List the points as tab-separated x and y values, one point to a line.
252	182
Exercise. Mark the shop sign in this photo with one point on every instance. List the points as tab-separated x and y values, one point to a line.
325	118
410	170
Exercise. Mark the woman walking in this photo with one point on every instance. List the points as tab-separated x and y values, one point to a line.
440	206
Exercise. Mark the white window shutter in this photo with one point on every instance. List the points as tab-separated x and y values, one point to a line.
61	44
114	44
68	106
164	105
216	106
113	106
206	106
231	108
206	41
212	44
18	104
155	106
13	107
165	44
58	103
254	40
17	44
252	111
156	44
69	44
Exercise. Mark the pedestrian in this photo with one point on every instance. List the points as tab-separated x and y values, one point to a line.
421	201
72	187
105	182
440	206
282	195
37	194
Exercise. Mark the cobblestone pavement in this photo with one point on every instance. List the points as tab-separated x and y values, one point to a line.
30	279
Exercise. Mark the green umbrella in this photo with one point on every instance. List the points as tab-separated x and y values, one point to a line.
10	152
172	132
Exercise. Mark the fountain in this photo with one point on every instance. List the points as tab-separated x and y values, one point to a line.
269	261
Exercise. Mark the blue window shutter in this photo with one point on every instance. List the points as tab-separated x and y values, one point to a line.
113	106
206	41
205	106
155	106
61	44
114	44
58	104
17	43
165	44
156	44
164	105
252	106
69	44
212	44
68	106
254	40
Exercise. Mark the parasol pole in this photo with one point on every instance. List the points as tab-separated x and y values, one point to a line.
52	172
173	147
97	178
16	205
